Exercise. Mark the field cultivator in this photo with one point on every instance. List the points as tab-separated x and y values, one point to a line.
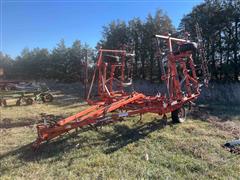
113	74
24	93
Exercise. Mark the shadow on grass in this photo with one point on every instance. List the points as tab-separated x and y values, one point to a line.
55	148
123	135
11	123
7	123
112	141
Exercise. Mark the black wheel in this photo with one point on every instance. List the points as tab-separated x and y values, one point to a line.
29	101
4	103
18	102
179	115
47	98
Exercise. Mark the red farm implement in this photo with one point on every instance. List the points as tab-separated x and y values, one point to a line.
112	73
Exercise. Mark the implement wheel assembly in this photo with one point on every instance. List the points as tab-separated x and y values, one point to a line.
179	115
29	101
3	102
47	98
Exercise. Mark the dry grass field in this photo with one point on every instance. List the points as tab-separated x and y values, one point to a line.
124	150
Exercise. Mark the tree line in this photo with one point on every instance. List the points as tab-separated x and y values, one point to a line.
66	64
220	23
218	19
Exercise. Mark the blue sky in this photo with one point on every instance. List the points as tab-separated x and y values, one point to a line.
44	23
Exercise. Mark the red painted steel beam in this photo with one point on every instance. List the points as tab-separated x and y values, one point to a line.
47	133
76	116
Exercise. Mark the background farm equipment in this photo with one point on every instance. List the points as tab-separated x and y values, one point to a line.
7	85
24	93
113	75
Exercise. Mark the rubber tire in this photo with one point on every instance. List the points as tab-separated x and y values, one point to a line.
29	101
18	102
4	103
47	98
179	115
